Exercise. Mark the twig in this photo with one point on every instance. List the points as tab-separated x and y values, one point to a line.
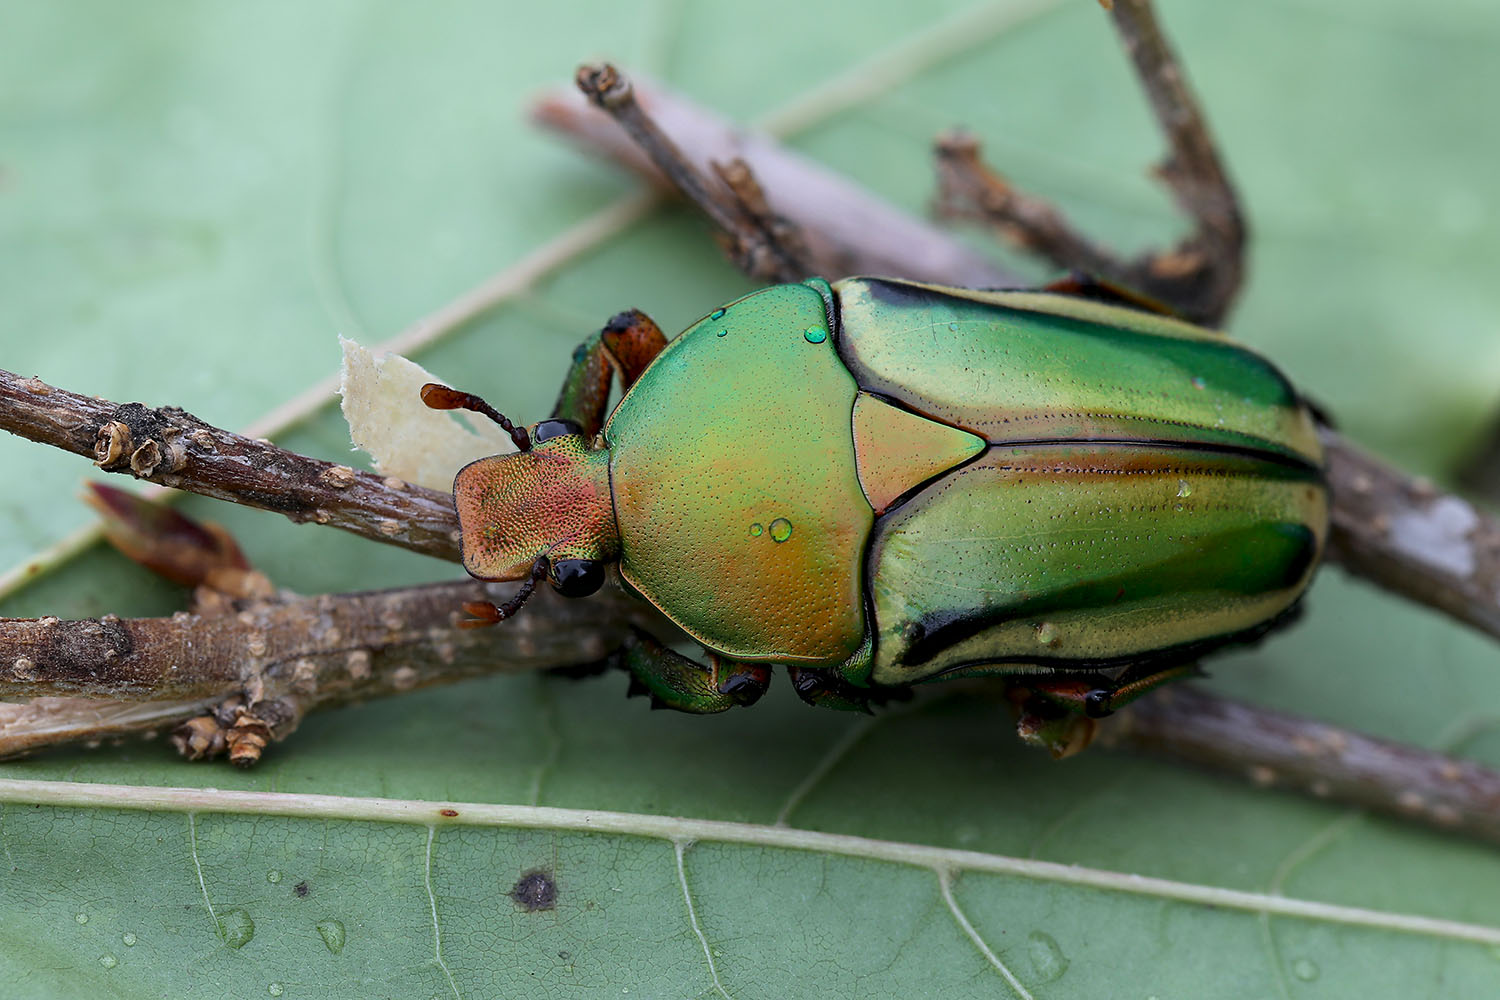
834	215
757	241
171	447
1409	537
297	653
1276	750
1201	275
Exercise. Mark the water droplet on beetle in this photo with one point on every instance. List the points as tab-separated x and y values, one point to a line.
757	529
722	333
273	876
108	961
332	933
81	918
1047	634
236	927
1047	959
128	939
1305	969
1183	488
275	989
815	334
716	314
953	327
781	529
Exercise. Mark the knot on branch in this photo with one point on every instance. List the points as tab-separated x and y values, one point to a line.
237	728
141	438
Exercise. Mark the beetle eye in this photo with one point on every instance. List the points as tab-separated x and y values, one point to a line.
556	427
577	577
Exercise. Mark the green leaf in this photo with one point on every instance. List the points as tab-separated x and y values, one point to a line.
197	198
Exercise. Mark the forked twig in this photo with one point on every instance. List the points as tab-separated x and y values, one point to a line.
758	241
1201	275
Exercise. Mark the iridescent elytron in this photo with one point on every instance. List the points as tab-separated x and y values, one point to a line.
878	482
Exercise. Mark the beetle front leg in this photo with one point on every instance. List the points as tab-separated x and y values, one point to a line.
674	681
629	342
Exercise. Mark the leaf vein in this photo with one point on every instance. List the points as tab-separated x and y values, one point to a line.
945	883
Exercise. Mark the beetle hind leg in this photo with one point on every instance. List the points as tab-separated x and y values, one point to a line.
1060	712
671	680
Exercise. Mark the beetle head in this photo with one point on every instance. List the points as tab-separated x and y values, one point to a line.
551	502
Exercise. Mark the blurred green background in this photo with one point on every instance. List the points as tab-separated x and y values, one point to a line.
196	198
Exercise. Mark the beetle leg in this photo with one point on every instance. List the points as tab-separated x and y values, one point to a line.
824	688
1058	712
674	681
830	689
629	342
1097	697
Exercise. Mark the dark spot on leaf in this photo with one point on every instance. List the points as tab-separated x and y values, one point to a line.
302	889
450	813
565	955
535	890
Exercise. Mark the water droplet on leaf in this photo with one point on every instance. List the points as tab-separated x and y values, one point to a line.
332	933
1047	959
82	918
273	876
128	938
1305	969
275	989
108	961
236	927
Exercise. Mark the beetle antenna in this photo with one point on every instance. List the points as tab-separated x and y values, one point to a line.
486	613
440	397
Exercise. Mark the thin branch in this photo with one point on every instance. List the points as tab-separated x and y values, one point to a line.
1198	277
1413	539
171	447
295	653
833	214
757	241
1288	751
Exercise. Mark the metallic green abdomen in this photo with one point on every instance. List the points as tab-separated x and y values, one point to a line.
1148	488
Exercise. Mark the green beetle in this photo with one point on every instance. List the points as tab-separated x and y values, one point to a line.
879	482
